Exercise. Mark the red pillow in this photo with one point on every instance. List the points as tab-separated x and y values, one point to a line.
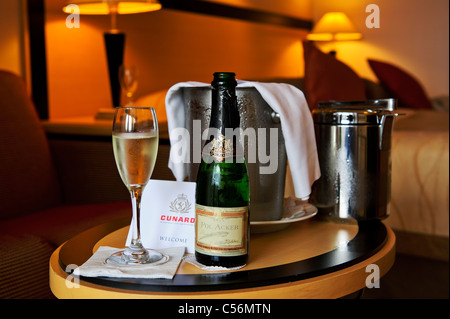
326	78
402	85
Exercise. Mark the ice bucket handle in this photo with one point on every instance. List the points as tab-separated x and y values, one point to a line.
386	123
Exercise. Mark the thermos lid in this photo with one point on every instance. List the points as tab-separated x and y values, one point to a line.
354	112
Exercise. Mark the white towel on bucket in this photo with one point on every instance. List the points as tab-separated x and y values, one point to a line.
296	124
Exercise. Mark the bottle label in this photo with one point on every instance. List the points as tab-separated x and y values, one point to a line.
221	231
221	148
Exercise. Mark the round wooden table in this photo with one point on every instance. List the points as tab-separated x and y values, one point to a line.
309	259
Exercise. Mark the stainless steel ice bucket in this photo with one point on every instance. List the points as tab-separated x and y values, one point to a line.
354	148
266	190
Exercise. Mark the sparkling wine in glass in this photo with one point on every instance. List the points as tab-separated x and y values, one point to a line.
135	145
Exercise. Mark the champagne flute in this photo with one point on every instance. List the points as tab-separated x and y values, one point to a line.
135	144
128	81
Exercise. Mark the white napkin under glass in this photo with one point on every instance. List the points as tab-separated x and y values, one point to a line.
98	266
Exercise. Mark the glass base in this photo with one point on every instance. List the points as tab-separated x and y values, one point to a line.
137	257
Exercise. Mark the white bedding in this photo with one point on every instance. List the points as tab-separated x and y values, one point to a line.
420	173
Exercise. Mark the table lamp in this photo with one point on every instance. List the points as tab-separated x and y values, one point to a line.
334	26
114	39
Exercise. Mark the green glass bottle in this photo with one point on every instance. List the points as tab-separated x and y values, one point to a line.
223	192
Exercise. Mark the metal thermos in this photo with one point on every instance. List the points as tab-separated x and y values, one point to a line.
354	148
266	190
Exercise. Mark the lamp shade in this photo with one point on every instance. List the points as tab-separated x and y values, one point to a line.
98	7
334	26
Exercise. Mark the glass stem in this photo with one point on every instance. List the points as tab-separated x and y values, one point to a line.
136	195
129	96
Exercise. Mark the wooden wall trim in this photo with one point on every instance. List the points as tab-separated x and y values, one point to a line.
38	60
239	13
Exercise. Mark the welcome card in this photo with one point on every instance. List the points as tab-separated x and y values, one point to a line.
167	215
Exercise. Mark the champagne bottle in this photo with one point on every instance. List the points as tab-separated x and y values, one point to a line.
222	194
